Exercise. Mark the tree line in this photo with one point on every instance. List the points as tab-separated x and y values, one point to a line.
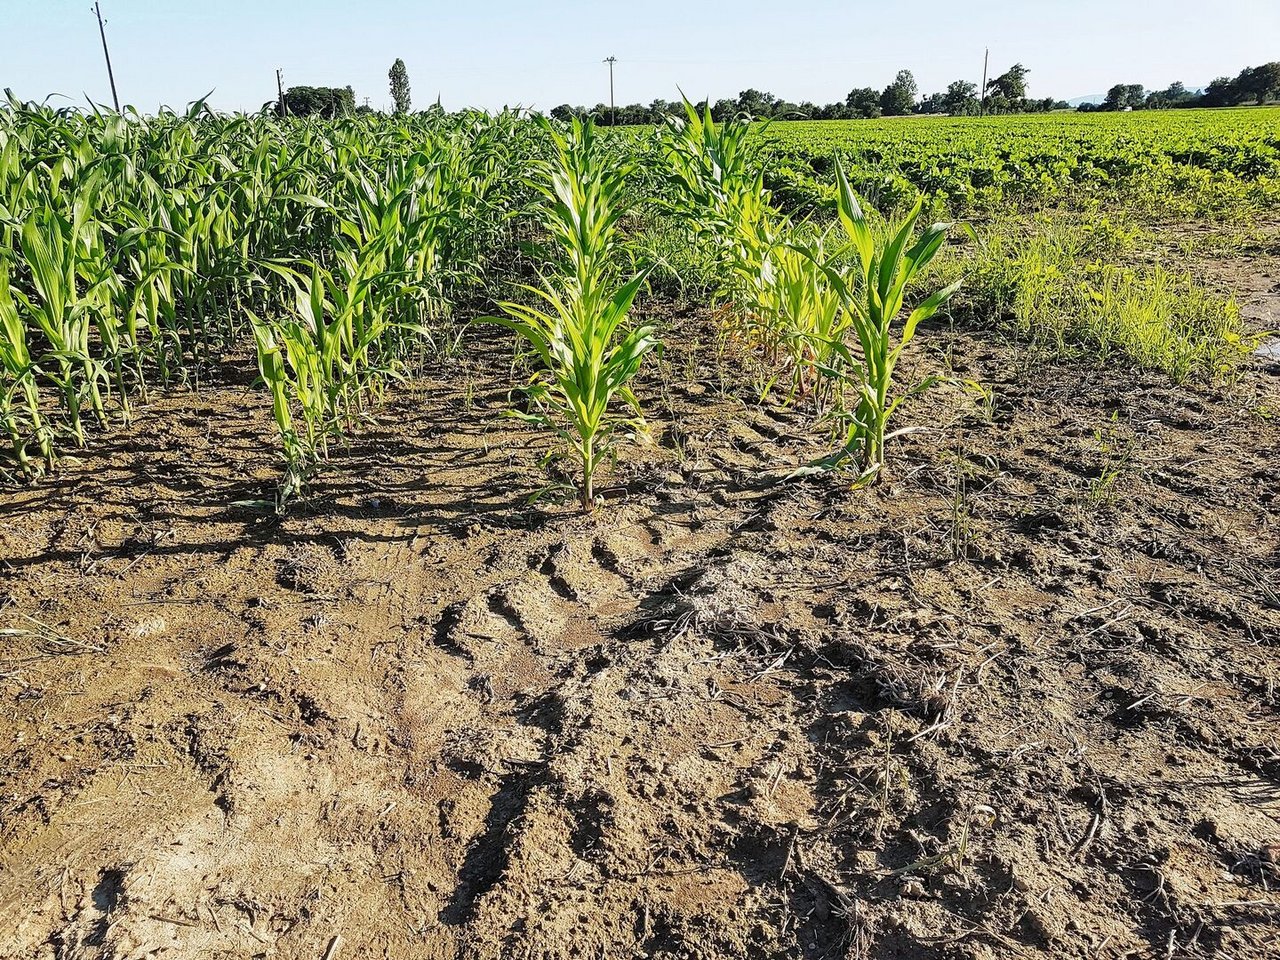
1252	85
1006	93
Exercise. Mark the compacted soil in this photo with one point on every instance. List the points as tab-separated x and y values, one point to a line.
1022	699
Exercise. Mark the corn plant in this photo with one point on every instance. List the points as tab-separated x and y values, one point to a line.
299	451
715	170
719	193
319	361
577	327
134	246
146	301
62	307
873	292
781	300
18	387
810	318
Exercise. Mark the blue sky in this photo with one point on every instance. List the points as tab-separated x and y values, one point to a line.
541	54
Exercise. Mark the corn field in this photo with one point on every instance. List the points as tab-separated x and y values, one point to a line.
140	252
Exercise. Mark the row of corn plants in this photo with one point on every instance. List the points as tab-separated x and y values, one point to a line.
828	311
139	250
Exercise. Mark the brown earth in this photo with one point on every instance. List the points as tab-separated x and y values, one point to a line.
1021	700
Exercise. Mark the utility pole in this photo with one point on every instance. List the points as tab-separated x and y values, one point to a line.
613	109
283	110
982	105
102	31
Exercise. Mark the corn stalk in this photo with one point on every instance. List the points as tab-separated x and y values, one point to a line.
577	325
872	292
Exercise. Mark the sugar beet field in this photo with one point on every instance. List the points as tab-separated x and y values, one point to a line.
469	536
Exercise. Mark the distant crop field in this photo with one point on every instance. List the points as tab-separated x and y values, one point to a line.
1219	160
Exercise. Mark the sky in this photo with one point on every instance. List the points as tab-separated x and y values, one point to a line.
491	53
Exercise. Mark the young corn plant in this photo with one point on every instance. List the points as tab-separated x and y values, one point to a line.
63	307
18	387
781	300
578	326
873	292
133	247
719	193
299	449
319	362
810	319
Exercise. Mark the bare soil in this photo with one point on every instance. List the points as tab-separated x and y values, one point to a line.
1019	700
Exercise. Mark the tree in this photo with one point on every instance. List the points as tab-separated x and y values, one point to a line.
933	103
1221	93
864	102
753	103
664	108
1259	83
1011	85
900	96
633	115
1174	95
399	78
961	98
319	101
1125	96
725	110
